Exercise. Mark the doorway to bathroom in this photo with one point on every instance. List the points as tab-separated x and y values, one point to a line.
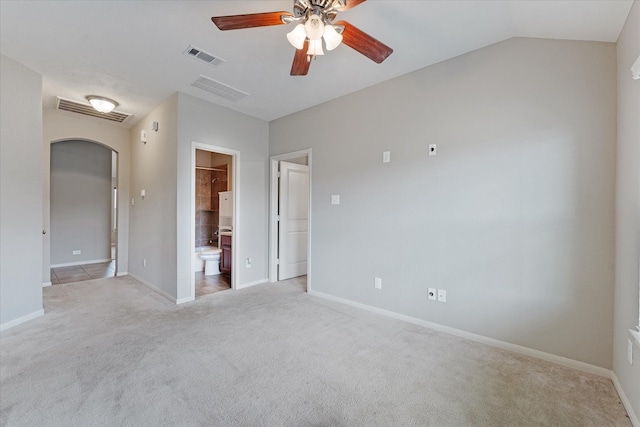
290	223
213	220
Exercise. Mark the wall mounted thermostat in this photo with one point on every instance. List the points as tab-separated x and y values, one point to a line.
143	136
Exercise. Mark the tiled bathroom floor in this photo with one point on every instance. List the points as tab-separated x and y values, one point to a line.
206	285
79	273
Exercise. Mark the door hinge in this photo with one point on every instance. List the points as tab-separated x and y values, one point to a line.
278	174
278	218
278	262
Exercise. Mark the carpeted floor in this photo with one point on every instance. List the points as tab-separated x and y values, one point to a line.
110	352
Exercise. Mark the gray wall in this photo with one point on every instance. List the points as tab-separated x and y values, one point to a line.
628	211
59	126
153	219
80	202
20	192
515	215
203	122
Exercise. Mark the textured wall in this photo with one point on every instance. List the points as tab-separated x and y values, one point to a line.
20	192
628	210
515	215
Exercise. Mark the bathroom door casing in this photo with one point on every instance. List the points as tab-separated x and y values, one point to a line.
293	211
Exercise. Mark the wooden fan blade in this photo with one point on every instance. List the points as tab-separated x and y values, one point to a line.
301	63
237	22
351	4
364	43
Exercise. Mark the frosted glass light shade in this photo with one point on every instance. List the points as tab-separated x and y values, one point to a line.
101	104
314	27
331	37
296	36
315	48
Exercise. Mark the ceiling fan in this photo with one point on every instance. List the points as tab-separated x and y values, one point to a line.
315	23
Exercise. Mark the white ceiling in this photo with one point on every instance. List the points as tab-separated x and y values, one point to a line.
133	51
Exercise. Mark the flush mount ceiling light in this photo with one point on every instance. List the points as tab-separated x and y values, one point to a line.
102	104
315	24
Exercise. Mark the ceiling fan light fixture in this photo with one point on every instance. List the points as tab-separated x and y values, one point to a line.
315	48
297	36
102	104
331	37
314	27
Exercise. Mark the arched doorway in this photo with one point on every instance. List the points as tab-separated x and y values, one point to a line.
83	211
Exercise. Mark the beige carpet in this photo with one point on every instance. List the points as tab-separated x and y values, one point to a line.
110	352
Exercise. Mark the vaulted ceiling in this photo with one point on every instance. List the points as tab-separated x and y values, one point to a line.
134	51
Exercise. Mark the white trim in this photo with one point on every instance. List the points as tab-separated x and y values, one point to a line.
625	400
46	284
154	288
71	264
122	273
185	299
273	209
248	285
235	166
636	336
564	361
15	322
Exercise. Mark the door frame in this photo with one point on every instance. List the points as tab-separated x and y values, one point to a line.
273	213
235	173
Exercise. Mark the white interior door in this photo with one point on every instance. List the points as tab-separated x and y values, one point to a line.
293	209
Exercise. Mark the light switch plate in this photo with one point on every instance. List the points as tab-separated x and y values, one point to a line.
433	149
335	199
386	157
143	136
442	295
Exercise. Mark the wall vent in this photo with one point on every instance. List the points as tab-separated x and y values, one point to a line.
203	56
87	110
220	89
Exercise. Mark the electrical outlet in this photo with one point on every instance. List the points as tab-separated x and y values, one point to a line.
77	252
248	262
630	351
442	295
431	294
377	283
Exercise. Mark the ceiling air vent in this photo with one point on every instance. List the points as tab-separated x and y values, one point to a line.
220	89
87	110
203	56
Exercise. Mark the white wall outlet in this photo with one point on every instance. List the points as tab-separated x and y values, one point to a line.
442	295
386	157
377	283
77	252
335	199
431	294
630	351
144	262
433	149
247	262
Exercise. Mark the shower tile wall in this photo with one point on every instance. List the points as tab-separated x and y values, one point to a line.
208	184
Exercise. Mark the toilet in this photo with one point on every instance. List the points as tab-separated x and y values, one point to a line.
211	258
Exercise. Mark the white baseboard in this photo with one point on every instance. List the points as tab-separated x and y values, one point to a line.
122	273
46	284
15	322
71	264
625	400
185	299
154	288
248	285
564	361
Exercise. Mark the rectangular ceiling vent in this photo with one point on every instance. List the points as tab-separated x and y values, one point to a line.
87	110
203	56
220	89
